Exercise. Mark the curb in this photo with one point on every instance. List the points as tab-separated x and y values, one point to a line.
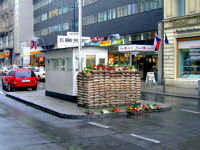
69	116
171	94
65	116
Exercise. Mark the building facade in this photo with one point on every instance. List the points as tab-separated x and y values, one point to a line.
6	31
135	21
16	22
182	53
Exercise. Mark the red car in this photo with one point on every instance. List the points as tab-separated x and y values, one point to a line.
19	78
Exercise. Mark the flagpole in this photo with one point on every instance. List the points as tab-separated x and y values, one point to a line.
79	34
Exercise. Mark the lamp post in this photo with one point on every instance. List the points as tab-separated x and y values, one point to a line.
79	34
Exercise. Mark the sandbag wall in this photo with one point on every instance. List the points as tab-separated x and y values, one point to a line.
108	88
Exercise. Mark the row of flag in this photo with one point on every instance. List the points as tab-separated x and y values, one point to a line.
158	40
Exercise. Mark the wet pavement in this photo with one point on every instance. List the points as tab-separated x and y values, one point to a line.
170	130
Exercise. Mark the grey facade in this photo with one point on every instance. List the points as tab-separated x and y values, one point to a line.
16	22
145	18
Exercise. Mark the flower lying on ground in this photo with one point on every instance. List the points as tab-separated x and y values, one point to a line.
115	109
142	108
104	111
89	112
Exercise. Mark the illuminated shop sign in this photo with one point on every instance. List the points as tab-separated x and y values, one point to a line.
138	48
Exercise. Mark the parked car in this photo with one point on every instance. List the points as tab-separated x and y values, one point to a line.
40	73
3	70
32	68
14	67
19	78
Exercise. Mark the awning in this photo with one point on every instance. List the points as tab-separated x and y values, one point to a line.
31	53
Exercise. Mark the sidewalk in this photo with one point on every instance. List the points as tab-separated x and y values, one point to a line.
65	109
171	91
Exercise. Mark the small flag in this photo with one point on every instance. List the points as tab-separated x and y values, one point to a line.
157	42
166	39
34	44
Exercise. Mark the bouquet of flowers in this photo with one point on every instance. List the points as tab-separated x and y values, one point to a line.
89	112
115	109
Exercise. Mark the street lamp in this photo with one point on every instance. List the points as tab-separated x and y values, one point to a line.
79	34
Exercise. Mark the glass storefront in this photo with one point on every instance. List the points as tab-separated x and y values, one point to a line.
189	59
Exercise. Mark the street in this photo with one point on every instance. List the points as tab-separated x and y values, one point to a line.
23	127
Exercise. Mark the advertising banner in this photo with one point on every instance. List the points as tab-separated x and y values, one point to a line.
136	48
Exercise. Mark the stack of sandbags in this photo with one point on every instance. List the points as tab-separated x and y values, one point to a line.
108	88
138	86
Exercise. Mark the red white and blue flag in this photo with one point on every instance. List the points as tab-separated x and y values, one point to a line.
34	44
157	42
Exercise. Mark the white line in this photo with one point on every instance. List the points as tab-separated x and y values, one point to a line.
195	112
144	138
99	125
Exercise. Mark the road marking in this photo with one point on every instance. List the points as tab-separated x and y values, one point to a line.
195	112
2	93
99	125
144	138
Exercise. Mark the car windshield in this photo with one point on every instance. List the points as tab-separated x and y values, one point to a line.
27	73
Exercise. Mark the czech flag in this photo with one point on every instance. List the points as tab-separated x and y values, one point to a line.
157	42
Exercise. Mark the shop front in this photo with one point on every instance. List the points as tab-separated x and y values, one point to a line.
143	57
182	54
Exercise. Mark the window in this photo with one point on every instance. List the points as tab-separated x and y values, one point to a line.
44	3
44	31
36	19
69	64
66	25
26	73
53	29
111	14
180	7
147	35
136	37
89	20
102	61
90	59
122	11
37	6
55	64
102	16
44	17
37	33
189	59
53	13
88	2
62	64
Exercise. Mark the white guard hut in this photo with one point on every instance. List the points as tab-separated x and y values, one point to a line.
62	69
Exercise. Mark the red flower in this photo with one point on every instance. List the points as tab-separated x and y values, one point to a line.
123	68
94	66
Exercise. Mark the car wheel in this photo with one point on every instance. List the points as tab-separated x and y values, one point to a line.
3	86
10	88
34	88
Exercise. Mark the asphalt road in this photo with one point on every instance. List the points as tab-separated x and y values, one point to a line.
25	128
